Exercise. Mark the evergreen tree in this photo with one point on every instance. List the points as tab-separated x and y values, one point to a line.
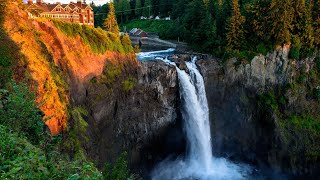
235	34
258	25
123	10
138	10
281	18
110	23
303	23
147	8
316	24
165	7
192	26
179	9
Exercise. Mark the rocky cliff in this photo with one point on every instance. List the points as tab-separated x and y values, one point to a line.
133	119
251	109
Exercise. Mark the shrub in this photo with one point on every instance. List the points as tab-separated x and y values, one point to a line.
295	50
110	73
21	114
262	49
268	100
119	170
129	84
19	159
97	39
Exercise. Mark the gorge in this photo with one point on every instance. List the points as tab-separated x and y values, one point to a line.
74	99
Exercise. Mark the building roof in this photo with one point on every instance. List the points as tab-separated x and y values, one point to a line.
49	7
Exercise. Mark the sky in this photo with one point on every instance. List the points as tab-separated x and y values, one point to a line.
96	2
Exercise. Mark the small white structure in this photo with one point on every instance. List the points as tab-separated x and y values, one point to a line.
157	18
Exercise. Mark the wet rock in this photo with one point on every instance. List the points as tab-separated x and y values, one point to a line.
239	129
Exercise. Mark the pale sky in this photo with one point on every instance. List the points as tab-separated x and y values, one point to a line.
96	2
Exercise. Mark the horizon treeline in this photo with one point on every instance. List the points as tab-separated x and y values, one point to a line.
237	26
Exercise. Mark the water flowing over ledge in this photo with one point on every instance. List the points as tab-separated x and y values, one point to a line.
198	162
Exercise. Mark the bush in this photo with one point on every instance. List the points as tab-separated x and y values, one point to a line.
295	50
129	84
19	159
262	49
268	100
21	114
97	39
119	170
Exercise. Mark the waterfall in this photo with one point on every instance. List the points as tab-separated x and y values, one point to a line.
199	162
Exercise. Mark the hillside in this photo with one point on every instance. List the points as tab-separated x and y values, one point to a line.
43	65
54	53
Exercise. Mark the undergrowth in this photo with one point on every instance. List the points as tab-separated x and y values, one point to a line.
97	39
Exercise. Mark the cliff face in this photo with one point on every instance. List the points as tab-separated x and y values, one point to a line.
54	64
247	126
130	119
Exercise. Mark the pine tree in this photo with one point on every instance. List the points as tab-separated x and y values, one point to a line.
280	19
165	7
138	11
123	9
303	23
258	21
235	34
110	23
147	8
316	24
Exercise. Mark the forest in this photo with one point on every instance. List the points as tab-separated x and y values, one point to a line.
228	28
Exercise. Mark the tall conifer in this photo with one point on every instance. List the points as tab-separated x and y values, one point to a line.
235	34
281	19
110	23
138	8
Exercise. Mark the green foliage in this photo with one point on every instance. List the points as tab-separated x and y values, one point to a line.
77	130
20	113
295	50
318	63
111	73
235	34
97	39
138	8
129	83
119	170
316	93
123	10
306	122
268	100
21	160
126	43
262	49
146	12
101	13
161	27
9	52
110	23
281	26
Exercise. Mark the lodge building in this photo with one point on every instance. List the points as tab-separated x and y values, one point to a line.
78	12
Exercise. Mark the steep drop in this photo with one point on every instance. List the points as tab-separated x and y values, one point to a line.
198	163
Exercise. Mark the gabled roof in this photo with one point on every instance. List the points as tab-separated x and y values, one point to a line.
50	7
54	7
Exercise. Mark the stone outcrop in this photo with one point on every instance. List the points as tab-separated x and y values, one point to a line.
131	120
240	129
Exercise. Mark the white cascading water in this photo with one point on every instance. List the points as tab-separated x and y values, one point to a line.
198	162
